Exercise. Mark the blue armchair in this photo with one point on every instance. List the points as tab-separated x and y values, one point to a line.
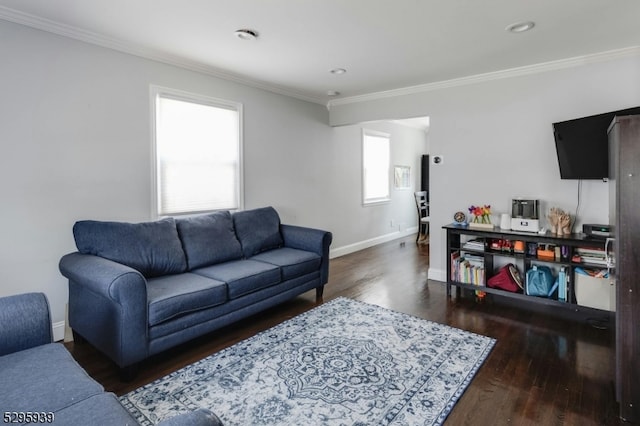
40	378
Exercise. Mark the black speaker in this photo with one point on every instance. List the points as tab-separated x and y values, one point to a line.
424	174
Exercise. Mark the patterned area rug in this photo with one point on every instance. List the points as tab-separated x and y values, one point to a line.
342	363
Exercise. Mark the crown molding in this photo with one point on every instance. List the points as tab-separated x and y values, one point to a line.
496	75
64	30
79	34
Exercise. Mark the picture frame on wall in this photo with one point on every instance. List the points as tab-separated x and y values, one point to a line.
402	177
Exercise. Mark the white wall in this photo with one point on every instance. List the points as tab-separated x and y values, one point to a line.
497	141
75	139
368	225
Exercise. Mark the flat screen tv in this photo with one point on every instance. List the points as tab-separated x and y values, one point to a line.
582	145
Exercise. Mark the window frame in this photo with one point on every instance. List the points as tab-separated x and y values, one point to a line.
375	200
155	93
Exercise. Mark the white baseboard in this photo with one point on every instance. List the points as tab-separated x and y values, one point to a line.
437	275
352	248
58	331
61	330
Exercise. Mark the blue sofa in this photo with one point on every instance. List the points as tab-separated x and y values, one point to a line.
138	289
40	382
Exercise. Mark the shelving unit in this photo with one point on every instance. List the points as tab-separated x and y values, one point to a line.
458	238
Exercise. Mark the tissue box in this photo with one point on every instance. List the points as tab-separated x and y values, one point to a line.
599	293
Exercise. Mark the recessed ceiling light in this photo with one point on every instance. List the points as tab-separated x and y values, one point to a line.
520	27
338	71
333	93
245	34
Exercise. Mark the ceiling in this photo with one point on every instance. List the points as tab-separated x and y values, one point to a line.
383	45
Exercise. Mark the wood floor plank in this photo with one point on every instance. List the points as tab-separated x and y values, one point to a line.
544	369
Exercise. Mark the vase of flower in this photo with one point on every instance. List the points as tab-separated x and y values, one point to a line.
481	217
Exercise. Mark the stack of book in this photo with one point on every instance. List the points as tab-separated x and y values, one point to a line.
474	245
467	268
592	255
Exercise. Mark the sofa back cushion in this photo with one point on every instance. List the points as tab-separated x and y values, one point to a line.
208	239
258	230
153	248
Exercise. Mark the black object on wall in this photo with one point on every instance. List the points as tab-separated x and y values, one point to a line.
424	175
582	145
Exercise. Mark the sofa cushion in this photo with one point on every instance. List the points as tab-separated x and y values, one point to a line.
258	230
174	295
43	378
153	248
102	409
208	239
243	276
293	262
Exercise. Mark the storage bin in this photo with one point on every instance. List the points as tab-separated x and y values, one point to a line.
599	293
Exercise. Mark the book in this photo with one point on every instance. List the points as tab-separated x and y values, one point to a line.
594	260
590	250
591	255
562	285
467	268
455	258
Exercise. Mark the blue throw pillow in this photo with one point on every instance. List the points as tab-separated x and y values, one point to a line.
153	248
208	239
258	230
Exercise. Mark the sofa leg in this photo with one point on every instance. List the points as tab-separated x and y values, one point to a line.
319	291
128	373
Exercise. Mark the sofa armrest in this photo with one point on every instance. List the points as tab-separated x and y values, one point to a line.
309	239
25	322
103	276
199	417
108	306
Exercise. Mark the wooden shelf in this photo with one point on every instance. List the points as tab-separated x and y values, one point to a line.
492	258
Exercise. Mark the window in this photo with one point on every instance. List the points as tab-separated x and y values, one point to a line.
375	167
197	147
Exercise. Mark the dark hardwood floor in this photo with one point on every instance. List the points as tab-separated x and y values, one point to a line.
543	370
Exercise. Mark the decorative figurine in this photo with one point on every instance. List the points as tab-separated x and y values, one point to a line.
559	221
564	224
